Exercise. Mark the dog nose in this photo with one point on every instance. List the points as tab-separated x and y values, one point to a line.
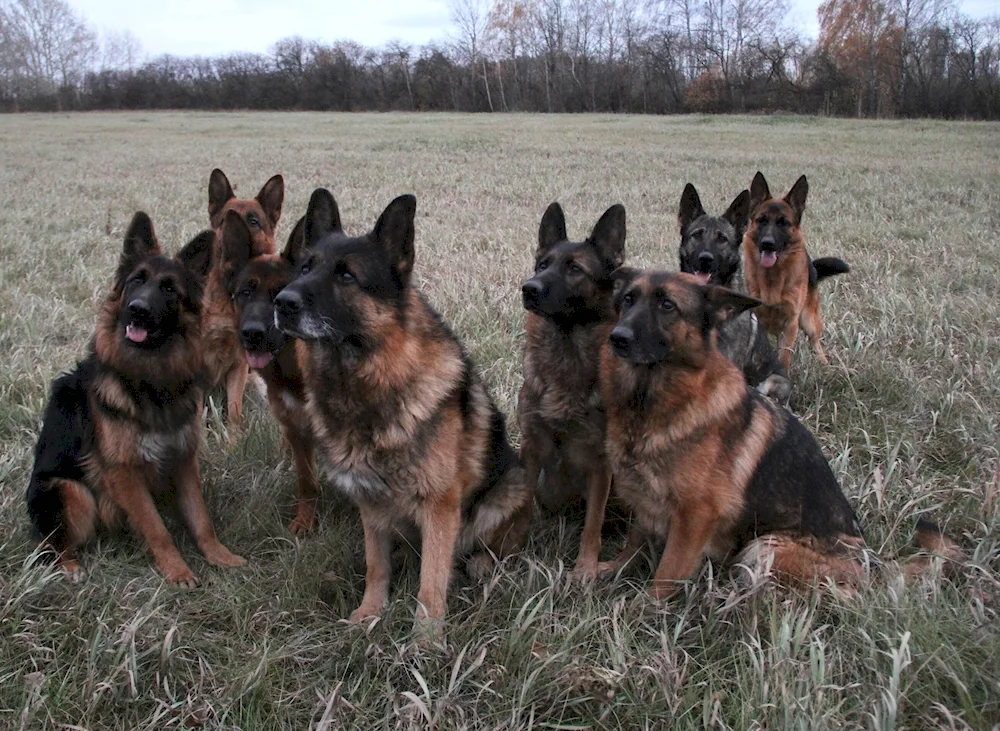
767	242
138	307
288	302
532	289
622	337
705	260
253	334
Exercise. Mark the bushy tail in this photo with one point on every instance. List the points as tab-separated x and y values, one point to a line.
830	266
936	545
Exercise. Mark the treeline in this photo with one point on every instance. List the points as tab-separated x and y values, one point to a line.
873	58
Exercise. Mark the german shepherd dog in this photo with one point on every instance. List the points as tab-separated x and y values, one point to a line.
253	282
779	271
710	250
404	425
123	427
559	406
760	484
224	359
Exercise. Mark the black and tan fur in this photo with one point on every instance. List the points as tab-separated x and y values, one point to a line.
404	425
779	271
253	282
707	463
121	430
224	360
559	406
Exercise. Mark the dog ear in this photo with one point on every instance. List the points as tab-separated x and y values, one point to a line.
608	236
219	191
296	246
237	247
271	196
620	279
796	198
196	256
738	214
722	304
394	233
690	207
759	191
140	243
552	229
322	217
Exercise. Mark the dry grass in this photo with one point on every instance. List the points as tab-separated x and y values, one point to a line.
908	414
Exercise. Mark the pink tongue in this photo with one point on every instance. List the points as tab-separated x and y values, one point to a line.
768	259
258	360
703	277
135	333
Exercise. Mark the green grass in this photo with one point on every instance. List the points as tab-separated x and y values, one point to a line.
908	413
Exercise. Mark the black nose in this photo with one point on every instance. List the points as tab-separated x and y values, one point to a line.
253	335
705	260
622	337
767	243
532	290
139	308
288	302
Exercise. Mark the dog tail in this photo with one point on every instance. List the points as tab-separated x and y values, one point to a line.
935	544
829	266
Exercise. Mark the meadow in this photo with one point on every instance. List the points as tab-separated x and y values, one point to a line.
908	413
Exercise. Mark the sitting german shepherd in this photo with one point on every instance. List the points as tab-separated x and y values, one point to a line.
710	250
760	483
123	427
404	425
253	281
559	406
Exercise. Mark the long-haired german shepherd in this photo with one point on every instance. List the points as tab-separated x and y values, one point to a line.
779	271
559	406
123	427
704	461
710	250
224	359
253	282
405	427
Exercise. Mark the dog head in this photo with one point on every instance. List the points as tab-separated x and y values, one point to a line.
157	294
572	280
710	245
670	317
774	222
253	282
260	214
350	289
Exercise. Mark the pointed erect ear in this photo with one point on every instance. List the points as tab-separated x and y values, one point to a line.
608	236
758	191
271	196
196	256
552	229
394	233
738	214
620	278
723	304
237	247
690	207
140	242
322	217
219	191
296	246
796	198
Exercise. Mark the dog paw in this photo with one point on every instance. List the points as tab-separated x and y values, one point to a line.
219	555
364	614
73	572
302	525
181	577
479	566
584	576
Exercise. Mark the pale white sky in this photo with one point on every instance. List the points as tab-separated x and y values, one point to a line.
216	27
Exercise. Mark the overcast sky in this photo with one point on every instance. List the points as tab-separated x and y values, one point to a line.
216	27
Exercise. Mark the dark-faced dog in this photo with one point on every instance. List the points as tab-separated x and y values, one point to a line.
224	360
710	250
559	406
404	425
122	428
779	271
759	483
253	282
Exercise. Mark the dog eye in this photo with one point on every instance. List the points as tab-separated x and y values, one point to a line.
541	266
628	300
346	274
138	278
762	221
306	267
167	286
721	237
252	222
574	268
666	305
782	221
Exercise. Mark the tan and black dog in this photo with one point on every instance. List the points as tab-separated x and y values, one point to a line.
404	425
121	430
253	282
779	271
224	360
559	406
705	462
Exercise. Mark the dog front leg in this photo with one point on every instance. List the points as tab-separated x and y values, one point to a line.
378	567
196	517
691	527
440	527
590	542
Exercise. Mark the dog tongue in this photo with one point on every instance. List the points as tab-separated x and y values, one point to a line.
258	360
135	333
703	277
768	259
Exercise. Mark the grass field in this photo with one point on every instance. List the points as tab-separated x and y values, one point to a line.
908	413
